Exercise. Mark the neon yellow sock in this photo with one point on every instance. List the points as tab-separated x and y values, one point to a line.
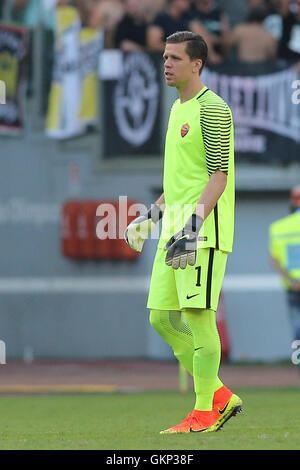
178	334
171	327
207	355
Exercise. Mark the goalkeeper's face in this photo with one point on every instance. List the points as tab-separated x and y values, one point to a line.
178	67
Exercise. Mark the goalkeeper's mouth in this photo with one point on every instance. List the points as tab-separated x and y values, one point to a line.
169	74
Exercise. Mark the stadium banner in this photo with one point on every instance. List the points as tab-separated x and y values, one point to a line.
265	102
91	44
74	90
131	103
14	47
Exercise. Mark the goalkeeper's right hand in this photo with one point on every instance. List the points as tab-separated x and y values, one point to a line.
141	227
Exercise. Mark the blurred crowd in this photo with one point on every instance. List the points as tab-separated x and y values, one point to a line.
247	30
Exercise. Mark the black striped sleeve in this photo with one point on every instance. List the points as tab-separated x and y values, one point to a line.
216	122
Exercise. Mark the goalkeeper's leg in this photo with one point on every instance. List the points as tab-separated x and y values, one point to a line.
178	334
207	354
211	394
171	327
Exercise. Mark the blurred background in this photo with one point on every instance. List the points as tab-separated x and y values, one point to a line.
84	122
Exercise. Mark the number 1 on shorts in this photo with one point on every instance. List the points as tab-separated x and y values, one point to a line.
198	284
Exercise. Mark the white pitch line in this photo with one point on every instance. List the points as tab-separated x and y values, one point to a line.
124	284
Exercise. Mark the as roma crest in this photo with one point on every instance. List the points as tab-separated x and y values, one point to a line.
184	130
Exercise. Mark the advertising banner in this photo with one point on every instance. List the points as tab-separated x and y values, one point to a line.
14	42
131	113
73	100
265	102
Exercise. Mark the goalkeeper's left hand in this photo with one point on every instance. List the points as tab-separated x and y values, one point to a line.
141	227
182	247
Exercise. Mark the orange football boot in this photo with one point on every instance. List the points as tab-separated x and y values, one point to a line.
197	421
225	405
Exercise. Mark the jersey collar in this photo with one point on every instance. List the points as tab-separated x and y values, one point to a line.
204	89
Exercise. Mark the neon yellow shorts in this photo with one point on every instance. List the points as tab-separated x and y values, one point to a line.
197	286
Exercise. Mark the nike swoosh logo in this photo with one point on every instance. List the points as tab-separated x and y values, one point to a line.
201	430
191	296
201	347
223	410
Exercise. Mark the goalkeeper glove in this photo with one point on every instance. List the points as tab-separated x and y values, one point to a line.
141	227
182	247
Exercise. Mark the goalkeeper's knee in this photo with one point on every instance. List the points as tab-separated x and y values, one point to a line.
155	320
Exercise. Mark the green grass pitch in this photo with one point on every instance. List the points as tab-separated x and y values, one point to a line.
132	421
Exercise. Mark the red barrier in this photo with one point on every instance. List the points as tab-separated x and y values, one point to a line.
124	220
86	226
95	229
106	230
70	244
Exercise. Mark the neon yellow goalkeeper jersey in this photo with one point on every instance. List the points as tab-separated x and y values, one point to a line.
199	141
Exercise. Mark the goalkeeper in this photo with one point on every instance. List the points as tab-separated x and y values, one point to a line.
197	211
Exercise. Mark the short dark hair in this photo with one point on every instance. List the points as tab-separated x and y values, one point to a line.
257	14
196	47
